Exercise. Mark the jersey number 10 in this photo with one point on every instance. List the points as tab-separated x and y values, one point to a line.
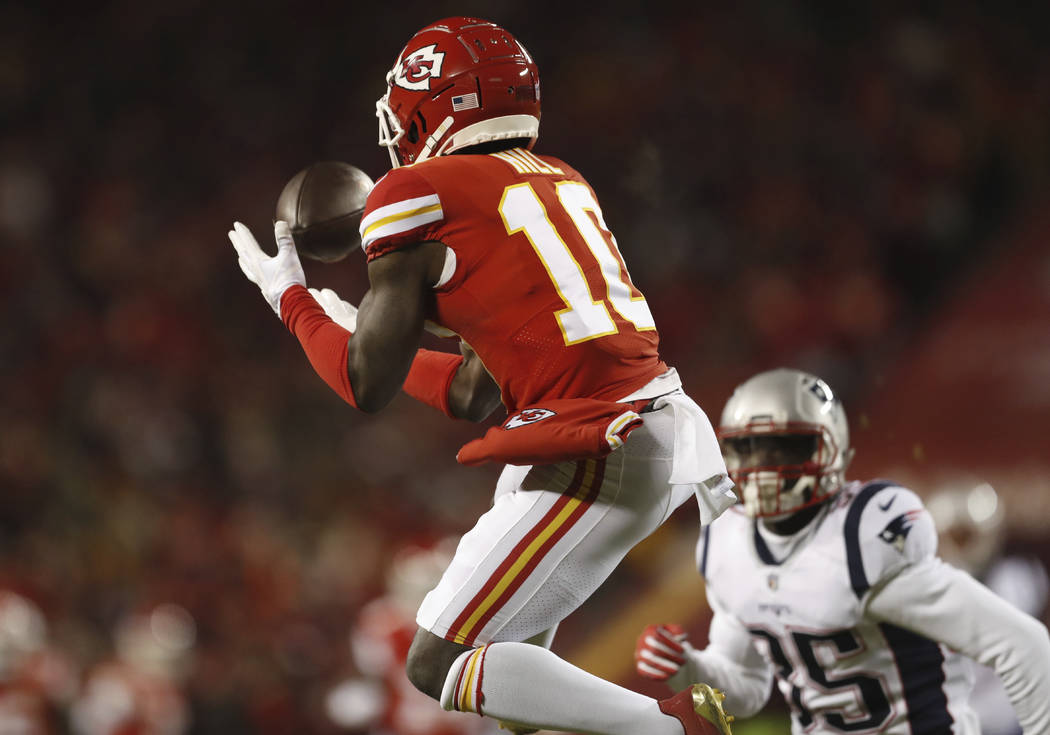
583	317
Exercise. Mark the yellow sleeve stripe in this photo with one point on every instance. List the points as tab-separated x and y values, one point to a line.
399	217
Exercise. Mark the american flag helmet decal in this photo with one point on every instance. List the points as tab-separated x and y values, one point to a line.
465	102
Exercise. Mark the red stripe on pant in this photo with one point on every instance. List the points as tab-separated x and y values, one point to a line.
589	494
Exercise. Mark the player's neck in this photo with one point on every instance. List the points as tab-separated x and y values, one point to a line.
793	523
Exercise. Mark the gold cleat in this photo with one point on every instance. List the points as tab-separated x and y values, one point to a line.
707	702
699	709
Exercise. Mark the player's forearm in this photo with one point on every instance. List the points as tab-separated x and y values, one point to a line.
747	689
324	342
947	605
381	351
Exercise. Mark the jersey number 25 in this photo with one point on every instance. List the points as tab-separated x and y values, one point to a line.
583	317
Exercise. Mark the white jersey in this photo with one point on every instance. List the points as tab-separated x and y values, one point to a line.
1024	584
804	602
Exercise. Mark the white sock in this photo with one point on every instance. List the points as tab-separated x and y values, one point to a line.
528	685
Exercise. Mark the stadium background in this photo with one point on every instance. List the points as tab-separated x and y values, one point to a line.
858	191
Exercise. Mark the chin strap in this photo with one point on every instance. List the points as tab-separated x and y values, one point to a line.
436	136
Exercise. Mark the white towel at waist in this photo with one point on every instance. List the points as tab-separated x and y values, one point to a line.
697	458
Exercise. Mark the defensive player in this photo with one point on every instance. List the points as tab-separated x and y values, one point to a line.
833	589
509	249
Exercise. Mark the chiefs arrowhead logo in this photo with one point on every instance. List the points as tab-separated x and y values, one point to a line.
528	416
417	69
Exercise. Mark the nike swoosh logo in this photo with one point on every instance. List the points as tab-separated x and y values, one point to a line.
888	504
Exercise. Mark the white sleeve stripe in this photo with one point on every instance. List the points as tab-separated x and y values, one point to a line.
407	221
406	207
396	224
401	217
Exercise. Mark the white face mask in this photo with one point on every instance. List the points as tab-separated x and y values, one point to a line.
766	493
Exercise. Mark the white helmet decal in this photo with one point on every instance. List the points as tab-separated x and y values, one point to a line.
415	71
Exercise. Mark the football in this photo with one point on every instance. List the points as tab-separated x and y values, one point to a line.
323	205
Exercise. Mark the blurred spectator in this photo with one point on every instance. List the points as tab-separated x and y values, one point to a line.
138	692
382	700
36	682
969	519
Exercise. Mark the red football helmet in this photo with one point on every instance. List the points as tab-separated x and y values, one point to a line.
457	83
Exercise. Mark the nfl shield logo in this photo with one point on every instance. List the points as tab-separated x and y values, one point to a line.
773	581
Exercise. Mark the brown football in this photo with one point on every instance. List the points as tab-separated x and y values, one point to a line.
323	205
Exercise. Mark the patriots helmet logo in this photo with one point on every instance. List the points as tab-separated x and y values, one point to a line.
896	531
415	71
528	416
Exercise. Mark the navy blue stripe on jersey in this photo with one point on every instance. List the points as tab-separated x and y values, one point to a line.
705	536
920	664
857	578
763	550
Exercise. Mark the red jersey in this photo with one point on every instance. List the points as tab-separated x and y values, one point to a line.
538	288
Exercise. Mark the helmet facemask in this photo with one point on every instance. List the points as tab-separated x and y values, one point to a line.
390	130
780	470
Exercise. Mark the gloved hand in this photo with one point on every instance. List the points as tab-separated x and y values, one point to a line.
273	275
341	312
344	313
661	651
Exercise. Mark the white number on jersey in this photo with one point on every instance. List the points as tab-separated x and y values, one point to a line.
870	692
583	317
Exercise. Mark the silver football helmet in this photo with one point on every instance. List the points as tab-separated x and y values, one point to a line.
785	439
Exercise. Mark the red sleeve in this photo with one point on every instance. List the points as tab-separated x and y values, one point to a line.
402	209
323	341
325	345
430	378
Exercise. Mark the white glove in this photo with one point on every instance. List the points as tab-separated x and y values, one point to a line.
273	275
342	313
661	651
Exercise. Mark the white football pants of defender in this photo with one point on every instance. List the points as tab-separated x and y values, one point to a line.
556	532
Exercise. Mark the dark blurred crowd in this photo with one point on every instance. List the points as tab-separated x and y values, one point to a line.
788	185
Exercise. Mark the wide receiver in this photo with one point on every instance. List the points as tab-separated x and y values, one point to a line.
833	589
509	250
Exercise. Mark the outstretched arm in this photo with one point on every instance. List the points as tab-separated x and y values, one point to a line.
366	355
471	394
944	604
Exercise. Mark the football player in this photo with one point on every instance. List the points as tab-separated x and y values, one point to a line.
508	249
833	590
